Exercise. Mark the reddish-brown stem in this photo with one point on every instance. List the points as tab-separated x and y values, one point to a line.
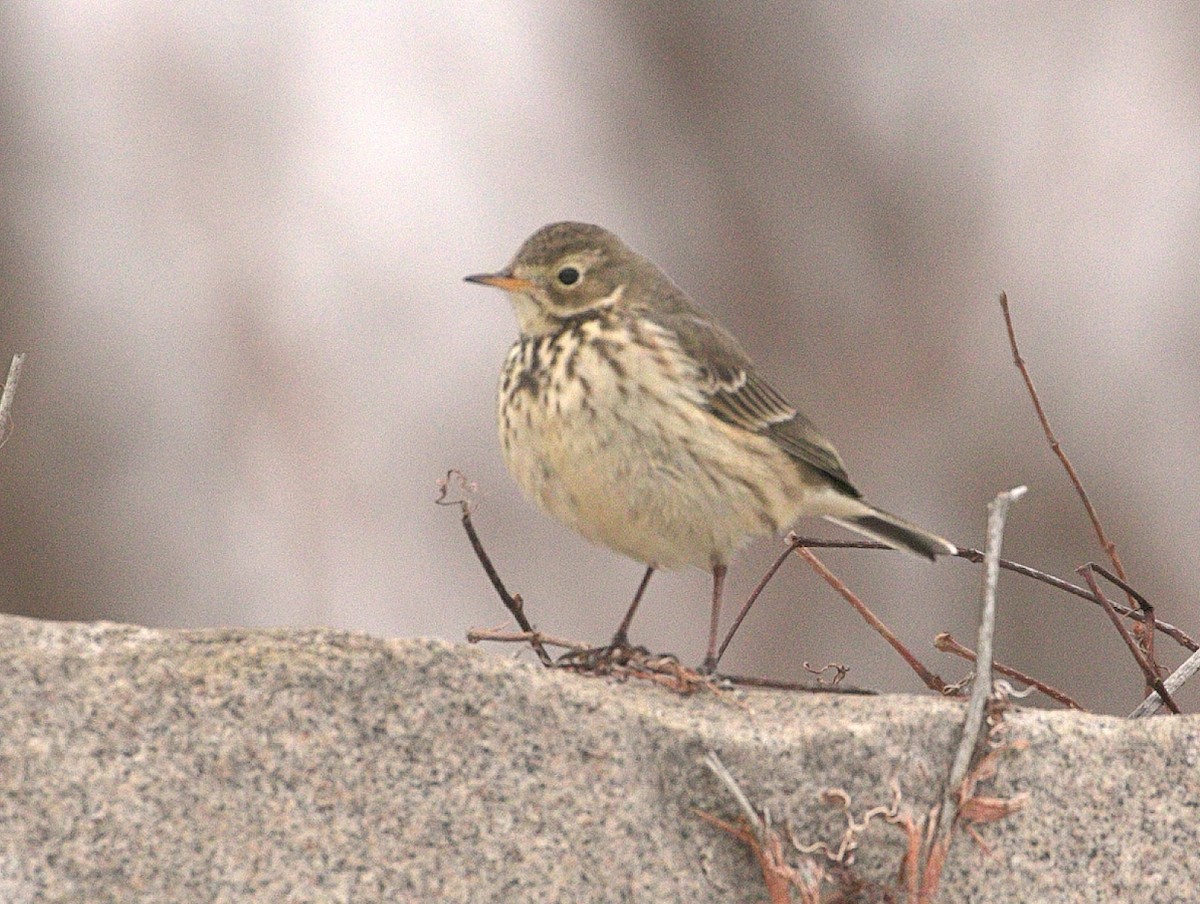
932	681
974	555
1149	621
779	684
947	644
499	635
513	603
1147	669
750	600
1109	547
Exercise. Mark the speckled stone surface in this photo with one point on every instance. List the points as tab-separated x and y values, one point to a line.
312	765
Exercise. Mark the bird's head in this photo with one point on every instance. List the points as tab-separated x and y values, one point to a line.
562	271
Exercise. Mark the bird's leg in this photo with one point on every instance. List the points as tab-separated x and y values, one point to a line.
618	650
621	638
714	623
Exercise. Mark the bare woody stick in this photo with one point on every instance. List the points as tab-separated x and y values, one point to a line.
981	689
947	644
10	392
499	635
1149	620
975	555
514	604
1143	663
932	681
784	685
1172	683
778	876
1110	548
746	606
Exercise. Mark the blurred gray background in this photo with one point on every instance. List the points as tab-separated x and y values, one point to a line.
233	239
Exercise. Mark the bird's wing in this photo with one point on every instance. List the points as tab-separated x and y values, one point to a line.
735	393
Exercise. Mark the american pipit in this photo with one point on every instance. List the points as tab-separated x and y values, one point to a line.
627	413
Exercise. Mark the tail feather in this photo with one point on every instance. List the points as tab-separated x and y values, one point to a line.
896	532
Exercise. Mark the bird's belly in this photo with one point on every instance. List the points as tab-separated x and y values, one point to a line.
651	476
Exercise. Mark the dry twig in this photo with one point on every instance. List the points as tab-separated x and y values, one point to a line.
7	396
1149	620
756	831
1172	683
626	662
1110	548
954	792
932	681
976	555
1143	663
780	684
947	644
754	594
499	635
514	604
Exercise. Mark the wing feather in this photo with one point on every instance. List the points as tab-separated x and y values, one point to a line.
734	392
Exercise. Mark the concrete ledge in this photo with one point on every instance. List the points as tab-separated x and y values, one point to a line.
314	765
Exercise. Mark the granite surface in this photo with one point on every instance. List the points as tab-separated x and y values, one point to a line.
317	765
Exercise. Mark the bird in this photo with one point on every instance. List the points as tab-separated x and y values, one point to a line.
626	412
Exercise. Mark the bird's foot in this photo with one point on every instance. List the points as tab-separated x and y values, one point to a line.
601	660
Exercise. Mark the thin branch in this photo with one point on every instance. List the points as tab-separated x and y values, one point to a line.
783	685
1149	621
1143	663
981	688
766	579
947	644
1110	548
1170	630
499	635
976	556
514	604
1172	683
932	681
763	840
1120	582
719	769
7	396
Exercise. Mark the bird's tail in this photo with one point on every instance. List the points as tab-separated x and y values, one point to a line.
895	532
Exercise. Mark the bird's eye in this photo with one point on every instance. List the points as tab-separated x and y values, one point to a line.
568	276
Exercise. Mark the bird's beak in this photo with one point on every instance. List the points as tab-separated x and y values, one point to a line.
502	280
